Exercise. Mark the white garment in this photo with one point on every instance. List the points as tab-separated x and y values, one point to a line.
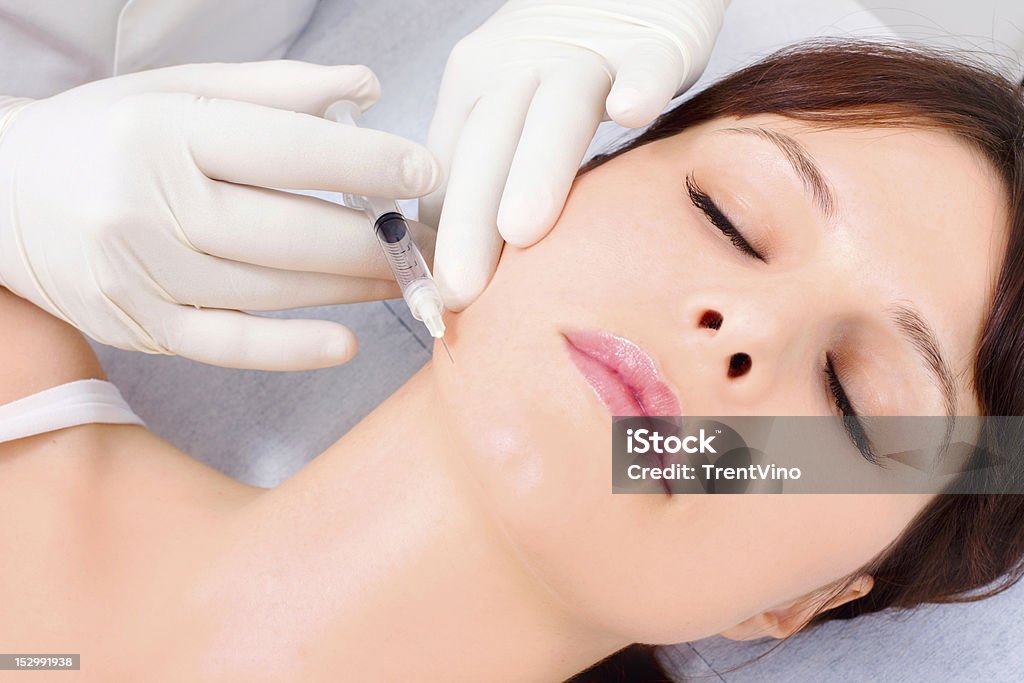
48	46
87	401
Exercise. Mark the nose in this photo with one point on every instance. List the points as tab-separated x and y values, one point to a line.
743	348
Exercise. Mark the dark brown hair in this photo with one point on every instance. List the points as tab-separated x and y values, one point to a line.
960	547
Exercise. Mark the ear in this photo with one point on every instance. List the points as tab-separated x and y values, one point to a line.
785	620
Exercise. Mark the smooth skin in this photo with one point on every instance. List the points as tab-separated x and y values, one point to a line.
496	550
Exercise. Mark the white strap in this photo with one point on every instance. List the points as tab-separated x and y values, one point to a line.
86	401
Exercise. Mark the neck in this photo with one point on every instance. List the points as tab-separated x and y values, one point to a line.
423	584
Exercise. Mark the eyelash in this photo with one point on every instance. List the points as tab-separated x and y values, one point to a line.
703	202
851	422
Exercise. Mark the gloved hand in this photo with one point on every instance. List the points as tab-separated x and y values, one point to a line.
136	209
520	101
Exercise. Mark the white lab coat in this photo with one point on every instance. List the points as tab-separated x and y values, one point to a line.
48	46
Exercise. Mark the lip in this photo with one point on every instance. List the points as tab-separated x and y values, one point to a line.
622	375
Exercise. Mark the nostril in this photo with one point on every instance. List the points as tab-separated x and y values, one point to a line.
739	364
711	320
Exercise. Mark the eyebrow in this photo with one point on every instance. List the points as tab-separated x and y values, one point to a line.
920	335
802	162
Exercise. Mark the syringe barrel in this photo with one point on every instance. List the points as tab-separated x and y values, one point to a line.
401	252
405	260
410	269
392	231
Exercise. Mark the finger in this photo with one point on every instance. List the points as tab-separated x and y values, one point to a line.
286	231
249	144
445	127
563	118
254	288
210	282
646	81
294	232
233	339
282	84
468	243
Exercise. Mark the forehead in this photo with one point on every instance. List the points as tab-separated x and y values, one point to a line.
920	212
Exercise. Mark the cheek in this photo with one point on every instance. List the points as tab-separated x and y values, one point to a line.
517	401
525	429
531	431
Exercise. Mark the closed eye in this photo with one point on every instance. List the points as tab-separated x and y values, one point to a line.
851	421
703	202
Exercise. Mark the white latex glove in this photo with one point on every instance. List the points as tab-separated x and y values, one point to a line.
136	209
520	101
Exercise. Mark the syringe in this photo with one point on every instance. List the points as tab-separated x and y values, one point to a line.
392	231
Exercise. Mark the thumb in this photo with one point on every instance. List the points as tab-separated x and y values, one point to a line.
644	84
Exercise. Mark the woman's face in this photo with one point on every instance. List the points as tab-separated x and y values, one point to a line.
903	220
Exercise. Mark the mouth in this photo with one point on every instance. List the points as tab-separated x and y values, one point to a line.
624	377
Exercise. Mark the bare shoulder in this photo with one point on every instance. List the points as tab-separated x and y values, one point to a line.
38	351
104	519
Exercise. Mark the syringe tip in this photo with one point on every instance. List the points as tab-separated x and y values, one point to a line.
433	319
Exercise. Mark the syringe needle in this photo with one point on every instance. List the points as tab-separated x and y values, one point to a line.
447	350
